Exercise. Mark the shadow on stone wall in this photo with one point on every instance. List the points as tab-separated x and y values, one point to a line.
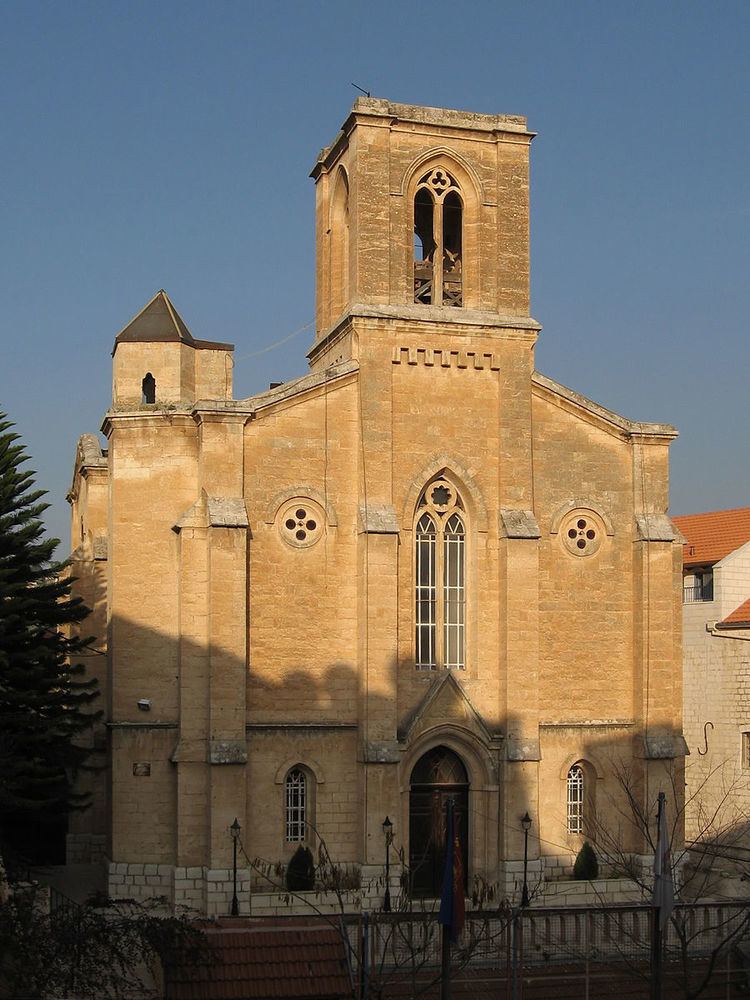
159	770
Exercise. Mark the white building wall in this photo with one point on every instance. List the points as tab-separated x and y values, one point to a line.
717	710
732	580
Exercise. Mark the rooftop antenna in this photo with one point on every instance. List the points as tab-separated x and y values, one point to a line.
365	92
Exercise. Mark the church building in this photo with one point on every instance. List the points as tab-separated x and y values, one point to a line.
423	570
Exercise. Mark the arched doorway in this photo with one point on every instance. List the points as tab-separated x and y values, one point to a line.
437	776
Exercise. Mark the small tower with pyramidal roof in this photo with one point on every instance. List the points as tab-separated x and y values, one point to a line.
157	361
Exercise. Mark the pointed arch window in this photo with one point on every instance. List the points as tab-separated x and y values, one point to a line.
340	244
296	794
438	240
440	574
576	790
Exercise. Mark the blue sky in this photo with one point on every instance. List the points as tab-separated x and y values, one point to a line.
150	145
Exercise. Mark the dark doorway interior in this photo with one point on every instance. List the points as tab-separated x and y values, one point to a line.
436	777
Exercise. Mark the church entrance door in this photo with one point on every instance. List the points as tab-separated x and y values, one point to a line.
437	776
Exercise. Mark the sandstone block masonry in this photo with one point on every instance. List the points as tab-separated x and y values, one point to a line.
423	570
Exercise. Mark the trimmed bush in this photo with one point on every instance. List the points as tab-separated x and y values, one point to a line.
586	867
300	872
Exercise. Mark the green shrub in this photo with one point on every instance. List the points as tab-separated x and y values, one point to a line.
586	867
300	872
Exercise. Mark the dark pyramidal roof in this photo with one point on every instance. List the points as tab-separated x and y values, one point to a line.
159	322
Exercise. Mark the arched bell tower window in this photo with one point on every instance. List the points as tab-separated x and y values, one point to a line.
340	244
148	388
438	240
440	574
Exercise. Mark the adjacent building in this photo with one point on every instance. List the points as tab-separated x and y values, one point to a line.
716	650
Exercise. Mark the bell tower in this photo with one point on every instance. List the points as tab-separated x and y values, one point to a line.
422	210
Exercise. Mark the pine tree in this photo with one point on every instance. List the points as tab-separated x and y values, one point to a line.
45	701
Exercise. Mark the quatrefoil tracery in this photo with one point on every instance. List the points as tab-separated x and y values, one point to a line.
439	182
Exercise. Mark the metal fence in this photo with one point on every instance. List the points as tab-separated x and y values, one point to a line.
537	954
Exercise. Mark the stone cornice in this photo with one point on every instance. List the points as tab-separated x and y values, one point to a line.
644	433
585	723
323	724
207	410
144	416
466	322
380	113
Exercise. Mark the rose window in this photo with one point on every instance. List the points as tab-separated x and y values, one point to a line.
301	522
582	533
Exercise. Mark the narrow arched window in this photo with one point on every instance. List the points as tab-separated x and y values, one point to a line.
340	245
440	576
576	790
438	240
296	793
148	388
426	592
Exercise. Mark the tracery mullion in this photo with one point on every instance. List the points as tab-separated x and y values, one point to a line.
437	263
439	580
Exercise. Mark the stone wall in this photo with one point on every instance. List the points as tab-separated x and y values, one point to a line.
204	890
85	848
140	881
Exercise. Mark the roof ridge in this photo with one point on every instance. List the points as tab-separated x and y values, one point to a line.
633	427
708	513
179	323
157	322
140	312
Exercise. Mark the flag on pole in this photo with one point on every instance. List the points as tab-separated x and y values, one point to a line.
452	902
663	884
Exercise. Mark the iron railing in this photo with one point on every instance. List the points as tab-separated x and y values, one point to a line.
539	953
698	592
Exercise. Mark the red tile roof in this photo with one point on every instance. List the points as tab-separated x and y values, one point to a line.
713	535
261	961
739	618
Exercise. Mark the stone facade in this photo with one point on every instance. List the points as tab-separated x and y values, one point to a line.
259	558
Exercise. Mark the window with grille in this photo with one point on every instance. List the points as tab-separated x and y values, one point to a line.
575	799
296	805
440	574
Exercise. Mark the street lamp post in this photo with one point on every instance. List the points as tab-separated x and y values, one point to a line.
388	833
516	925
235	830
526	824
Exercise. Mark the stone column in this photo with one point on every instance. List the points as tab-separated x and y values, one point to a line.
212	751
378	575
190	756
519	589
657	621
